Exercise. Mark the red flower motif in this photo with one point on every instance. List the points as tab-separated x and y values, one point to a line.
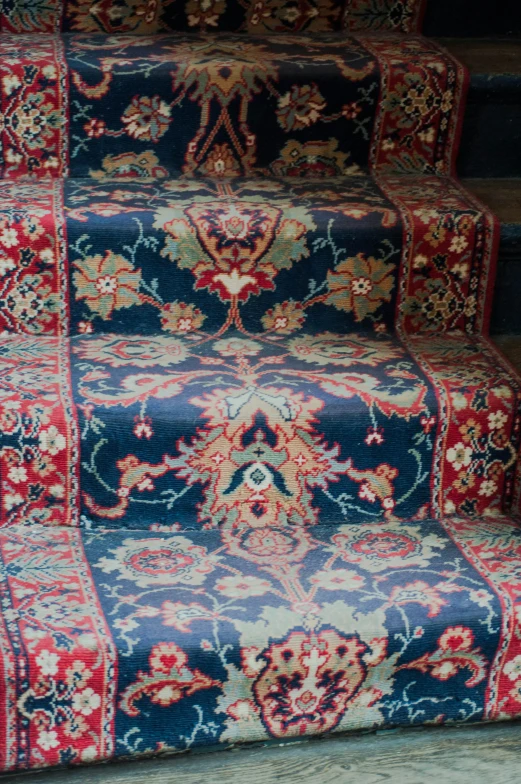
95	128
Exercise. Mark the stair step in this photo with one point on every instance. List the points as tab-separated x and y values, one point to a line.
250	430
318	96
503	197
363	253
491	138
290	104
269	635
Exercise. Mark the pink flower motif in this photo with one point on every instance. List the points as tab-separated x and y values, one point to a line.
143	427
351	110
95	128
420	593
456	638
374	436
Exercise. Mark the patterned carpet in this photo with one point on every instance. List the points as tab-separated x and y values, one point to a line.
259	460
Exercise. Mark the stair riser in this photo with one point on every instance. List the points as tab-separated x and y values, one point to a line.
92	107
491	138
506	314
464	18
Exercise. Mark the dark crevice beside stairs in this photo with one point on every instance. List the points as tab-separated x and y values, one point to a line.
259	459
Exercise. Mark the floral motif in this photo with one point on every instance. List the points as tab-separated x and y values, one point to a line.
180	318
107	283
360	285
313	159
34	108
235	250
300	107
379	548
146	119
147	562
168	681
129	164
284	318
119	352
221	162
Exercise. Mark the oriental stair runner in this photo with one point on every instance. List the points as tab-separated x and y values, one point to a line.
259	460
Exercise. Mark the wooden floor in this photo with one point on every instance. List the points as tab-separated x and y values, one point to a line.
488	754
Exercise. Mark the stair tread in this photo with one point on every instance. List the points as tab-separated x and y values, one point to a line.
485	56
346	616
265	105
247	16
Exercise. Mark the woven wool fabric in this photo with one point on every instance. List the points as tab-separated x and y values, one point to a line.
249	16
258	457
